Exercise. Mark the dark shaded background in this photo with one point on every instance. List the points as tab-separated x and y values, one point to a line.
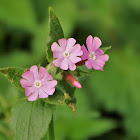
108	104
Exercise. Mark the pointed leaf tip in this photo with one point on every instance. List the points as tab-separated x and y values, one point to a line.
51	10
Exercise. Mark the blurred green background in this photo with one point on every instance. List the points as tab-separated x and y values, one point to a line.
108	105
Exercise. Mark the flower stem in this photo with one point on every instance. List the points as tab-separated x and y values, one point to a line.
51	130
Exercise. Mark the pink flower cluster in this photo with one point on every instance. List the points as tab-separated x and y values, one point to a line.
39	83
67	54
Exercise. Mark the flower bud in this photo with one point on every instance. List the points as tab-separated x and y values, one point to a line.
72	80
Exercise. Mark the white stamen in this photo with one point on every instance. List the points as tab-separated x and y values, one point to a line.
66	54
92	56
37	83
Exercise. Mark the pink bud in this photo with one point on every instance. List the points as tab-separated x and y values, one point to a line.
72	80
77	84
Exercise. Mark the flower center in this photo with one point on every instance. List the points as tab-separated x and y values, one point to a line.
66	54
92	56
37	84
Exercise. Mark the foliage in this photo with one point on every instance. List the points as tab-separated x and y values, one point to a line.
23	34
30	120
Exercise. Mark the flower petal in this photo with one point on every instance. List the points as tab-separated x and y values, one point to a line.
62	42
48	91
72	66
26	83
99	62
85	53
55	47
64	64
88	64
29	90
42	93
96	44
80	53
34	69
96	67
99	52
104	57
75	48
57	54
74	54
89	42
70	43
33	96
44	75
28	75
75	59
49	84
57	62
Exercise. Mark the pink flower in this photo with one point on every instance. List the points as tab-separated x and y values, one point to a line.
94	55
38	83
66	54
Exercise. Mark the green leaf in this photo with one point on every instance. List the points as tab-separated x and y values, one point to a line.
13	75
106	48
57	98
30	120
56	33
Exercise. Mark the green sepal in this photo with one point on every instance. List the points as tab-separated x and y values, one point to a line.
106	48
